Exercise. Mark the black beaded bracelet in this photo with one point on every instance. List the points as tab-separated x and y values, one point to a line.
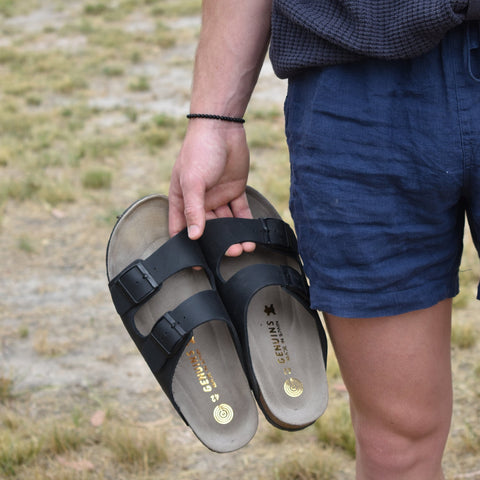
216	117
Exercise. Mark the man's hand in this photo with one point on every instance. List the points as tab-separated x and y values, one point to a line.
209	178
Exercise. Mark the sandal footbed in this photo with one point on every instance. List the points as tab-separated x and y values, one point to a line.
284	346
208	384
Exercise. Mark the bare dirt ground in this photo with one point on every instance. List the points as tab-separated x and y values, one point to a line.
61	340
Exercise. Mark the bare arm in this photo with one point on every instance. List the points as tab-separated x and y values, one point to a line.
210	174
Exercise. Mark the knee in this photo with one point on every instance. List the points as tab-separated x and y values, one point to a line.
397	444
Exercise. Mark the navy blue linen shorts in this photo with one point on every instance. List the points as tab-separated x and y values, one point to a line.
385	161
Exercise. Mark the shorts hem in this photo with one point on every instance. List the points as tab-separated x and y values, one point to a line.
370	305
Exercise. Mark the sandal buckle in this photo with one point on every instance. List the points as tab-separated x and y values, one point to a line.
137	283
169	337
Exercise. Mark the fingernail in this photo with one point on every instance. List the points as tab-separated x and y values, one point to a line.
193	231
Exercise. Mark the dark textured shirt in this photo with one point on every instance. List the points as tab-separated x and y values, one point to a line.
316	33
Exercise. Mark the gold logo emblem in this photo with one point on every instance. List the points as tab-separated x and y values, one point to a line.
293	387
223	413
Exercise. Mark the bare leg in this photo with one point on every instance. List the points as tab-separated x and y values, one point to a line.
398	374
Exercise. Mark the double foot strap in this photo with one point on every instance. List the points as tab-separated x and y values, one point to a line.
221	233
238	290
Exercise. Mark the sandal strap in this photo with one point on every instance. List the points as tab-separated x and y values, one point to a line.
241	287
136	283
221	233
174	328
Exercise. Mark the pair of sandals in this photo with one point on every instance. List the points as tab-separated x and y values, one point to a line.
213	329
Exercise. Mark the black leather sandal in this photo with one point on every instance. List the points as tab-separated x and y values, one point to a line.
266	295
178	322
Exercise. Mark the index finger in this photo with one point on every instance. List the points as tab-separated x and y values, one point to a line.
186	209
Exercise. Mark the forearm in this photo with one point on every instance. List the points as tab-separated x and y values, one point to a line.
230	54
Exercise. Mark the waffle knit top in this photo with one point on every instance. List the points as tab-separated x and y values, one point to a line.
317	33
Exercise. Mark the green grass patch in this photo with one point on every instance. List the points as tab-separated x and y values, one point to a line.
265	135
272	114
69	84
111	38
114	39
464	336
135	447
15	452
136	57
9	56
333	369
154	138
23	331
176	9
99	147
318	465
25	244
20	190
166	121
139	84
32	74
56	193
7	7
26	443
36	187
76	115
33	100
113	70
131	113
334	428
6	388
471	439
97	179
95	8
274	436
5	155
163	36
64	438
17	125
160	130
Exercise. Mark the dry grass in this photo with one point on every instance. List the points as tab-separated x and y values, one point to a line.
464	336
135	447
46	344
471	439
6	388
50	444
335	428
318	465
